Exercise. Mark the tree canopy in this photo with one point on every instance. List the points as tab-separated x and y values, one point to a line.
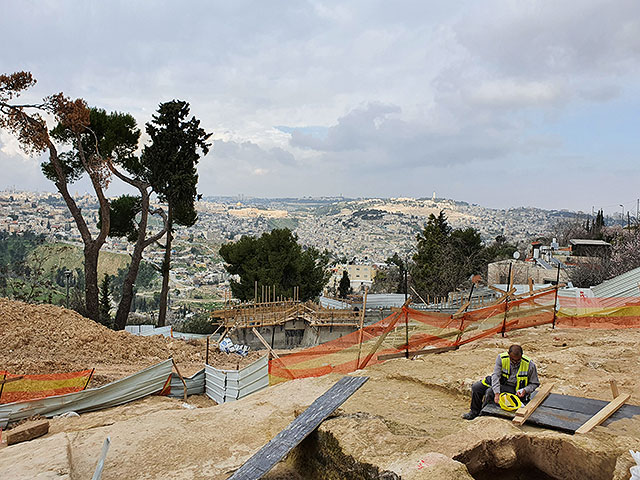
169	165
275	258
344	288
446	258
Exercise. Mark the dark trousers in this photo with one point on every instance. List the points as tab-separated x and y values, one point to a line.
481	394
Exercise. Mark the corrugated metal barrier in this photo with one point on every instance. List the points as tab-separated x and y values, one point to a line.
229	385
195	384
148	330
149	381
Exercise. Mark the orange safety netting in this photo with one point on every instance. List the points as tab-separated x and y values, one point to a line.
609	313
422	329
20	388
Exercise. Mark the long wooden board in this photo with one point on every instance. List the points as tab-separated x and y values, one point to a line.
274	451
264	342
525	412
603	414
415	353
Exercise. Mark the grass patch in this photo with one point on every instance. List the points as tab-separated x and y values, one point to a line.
63	255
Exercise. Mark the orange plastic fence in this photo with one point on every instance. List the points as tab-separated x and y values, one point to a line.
602	313
432	329
423	329
31	387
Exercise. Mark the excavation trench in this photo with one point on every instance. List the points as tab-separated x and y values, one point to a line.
532	458
320	457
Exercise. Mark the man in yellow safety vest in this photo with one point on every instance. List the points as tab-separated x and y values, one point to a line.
513	373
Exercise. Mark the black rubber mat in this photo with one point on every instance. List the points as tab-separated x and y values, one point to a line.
565	412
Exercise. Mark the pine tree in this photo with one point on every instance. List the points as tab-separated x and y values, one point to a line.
344	288
105	302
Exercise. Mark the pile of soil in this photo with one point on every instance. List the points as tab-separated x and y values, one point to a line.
37	339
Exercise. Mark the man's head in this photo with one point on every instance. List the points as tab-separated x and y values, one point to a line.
515	353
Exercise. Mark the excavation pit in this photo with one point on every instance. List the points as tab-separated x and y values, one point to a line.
527	458
320	457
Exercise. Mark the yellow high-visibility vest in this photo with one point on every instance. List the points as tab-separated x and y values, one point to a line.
522	377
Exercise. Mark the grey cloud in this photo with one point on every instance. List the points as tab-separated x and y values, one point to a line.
374	136
250	155
540	38
358	130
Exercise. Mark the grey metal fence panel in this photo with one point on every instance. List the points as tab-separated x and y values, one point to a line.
195	384
133	387
229	385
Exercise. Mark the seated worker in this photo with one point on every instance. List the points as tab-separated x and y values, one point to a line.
512	373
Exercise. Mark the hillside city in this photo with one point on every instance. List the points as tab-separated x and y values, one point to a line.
363	231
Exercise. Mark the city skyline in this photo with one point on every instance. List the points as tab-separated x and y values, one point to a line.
502	104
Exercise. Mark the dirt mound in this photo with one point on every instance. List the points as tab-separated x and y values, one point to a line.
48	339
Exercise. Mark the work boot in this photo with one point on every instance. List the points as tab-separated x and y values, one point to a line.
469	415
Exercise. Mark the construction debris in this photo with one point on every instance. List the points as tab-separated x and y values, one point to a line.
27	431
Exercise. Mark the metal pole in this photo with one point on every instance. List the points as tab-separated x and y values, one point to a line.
470	296
406	320
406	281
206	356
67	274
506	302
555	300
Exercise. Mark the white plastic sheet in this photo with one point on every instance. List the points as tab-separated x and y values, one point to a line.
635	471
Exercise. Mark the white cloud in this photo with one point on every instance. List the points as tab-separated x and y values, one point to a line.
10	146
511	93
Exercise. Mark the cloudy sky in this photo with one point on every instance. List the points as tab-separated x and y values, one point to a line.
502	103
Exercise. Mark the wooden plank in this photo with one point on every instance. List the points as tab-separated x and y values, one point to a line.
415	353
379	342
264	342
543	417
589	406
614	388
14	379
537	292
461	309
506	295
27	431
305	423
603	414
181	378
525	412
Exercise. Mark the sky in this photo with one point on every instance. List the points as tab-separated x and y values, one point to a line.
500	103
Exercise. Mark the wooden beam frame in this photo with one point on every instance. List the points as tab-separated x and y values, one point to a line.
384	335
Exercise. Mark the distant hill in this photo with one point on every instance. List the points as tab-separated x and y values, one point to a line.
63	255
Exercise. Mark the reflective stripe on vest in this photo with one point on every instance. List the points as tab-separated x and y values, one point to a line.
522	377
